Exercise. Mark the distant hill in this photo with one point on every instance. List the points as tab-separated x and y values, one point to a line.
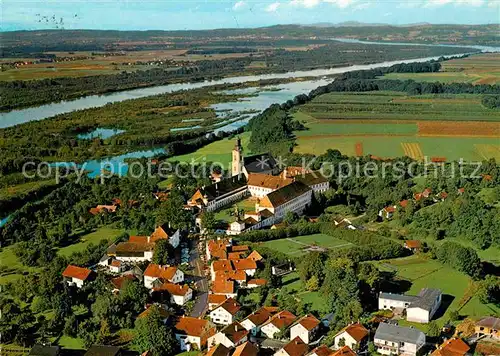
362	24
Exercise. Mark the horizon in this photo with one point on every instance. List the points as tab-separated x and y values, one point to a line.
167	15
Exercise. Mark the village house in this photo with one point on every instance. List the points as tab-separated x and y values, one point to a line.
254	321
420	308
413	245
246	349
277	323
296	347
119	282
220	266
164	314
116	266
240	277
322	350
255	283
218	350
215	300
224	287
132	251
77	276
246	265
230	336
191	332
452	347
101	209
489	326
164	232
218	248
225	313
255	256
160	274
398	340
179	295
305	328
353	335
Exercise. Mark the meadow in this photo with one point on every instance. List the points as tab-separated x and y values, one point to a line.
300	245
392	124
477	69
457	288
293	285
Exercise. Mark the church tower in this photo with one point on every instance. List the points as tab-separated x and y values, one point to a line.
237	162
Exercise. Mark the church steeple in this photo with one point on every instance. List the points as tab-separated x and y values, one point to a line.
237	160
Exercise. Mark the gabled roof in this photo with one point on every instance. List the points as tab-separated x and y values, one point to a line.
127	247
222	265
268	181
413	243
240	276
296	347
118	282
282	320
216	299
239	248
103	350
259	163
397	333
159	271
173	289
224	186
255	256
283	195
426	299
262	315
344	351
161	232
357	331
234	332
187	325
230	305
311	178
258	282
398	297
77	272
139	239
246	349
218	350
452	347
222	286
322	350
309	322
489	322
234	255
244	264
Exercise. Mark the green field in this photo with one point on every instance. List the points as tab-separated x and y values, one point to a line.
477	69
293	285
297	246
219	151
94	237
246	205
384	123
424	273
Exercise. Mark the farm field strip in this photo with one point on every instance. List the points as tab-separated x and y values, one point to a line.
468	129
487	151
413	150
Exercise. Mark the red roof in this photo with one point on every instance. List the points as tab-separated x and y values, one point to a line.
192	326
222	265
262	315
173	289
345	351
119	281
77	272
244	264
235	332
283	319
322	350
390	209
216	299
139	239
259	282
413	244
240	276
230	305
255	256
246	349
403	203
296	347
357	331
309	322
452	347
241	248
160	271
116	263
223	286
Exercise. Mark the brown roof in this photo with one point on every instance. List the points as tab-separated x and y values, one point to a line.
159	271
216	299
292	171
173	289
246	349
192	326
116	263
489	322
283	195
283	319
323	350
357	331
268	181
230	305
244	264
413	243
404	203
262	315
309	322
231	275
452	347
255	256
311	178
296	347
161	232
139	239
119	281
218	350
345	351
235	255
222	286
163	312
77	272
259	282
235	332
222	265
134	247
240	248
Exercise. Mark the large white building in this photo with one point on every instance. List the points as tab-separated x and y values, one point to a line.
225	313
420	308
305	328
397	340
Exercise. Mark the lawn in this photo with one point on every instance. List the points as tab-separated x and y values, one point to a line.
11	267
292	283
295	246
94	237
219	151
424	273
225	214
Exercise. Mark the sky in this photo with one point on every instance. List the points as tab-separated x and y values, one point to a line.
209	14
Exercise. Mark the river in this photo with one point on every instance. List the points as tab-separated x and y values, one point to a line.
16	117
